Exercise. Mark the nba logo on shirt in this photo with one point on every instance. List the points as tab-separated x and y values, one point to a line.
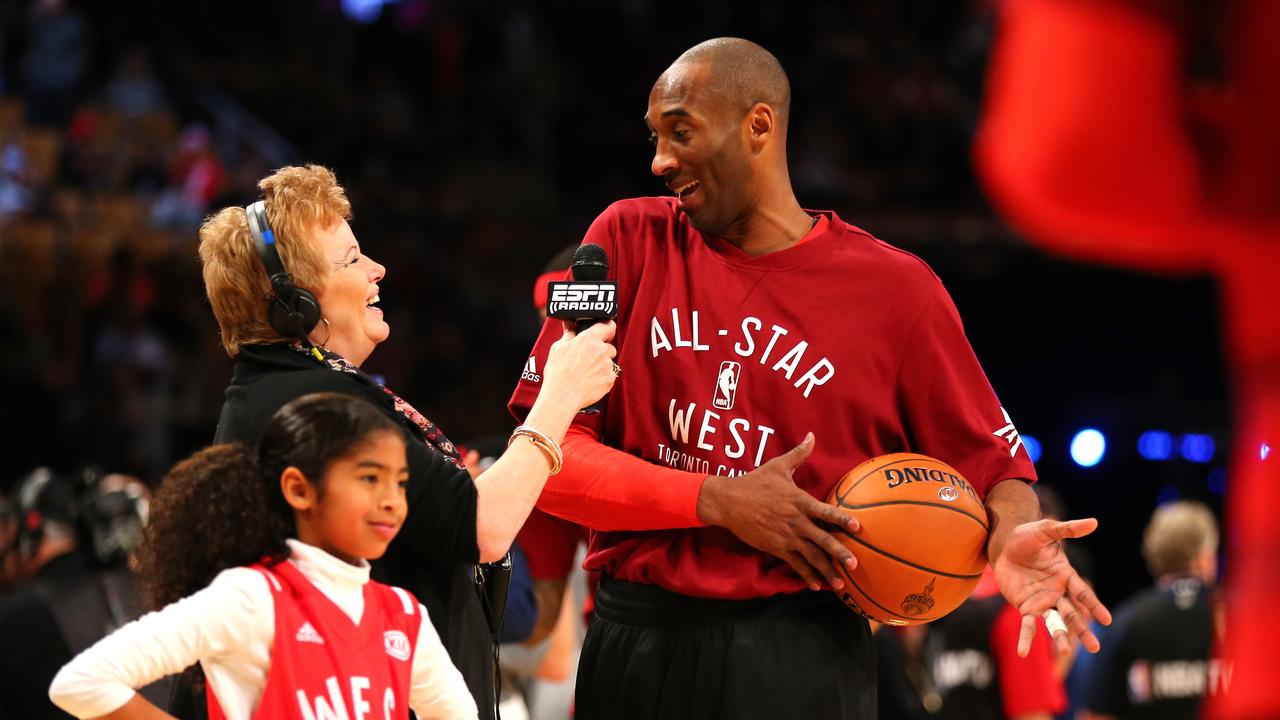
727	384
1140	682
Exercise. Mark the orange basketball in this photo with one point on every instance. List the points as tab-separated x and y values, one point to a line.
922	544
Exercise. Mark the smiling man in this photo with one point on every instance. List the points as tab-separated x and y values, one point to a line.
747	325
709	159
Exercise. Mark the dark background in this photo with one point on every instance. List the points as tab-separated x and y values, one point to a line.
475	140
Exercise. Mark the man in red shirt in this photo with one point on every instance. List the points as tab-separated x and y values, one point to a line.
747	324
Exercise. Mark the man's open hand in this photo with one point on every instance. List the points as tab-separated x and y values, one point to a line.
1035	576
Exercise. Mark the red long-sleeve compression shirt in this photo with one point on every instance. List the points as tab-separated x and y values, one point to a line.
607	489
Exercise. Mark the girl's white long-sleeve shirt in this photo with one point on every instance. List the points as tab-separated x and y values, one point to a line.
228	628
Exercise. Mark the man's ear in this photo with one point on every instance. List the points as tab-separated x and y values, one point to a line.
761	126
298	493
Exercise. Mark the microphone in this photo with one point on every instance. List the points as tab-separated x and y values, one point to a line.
588	298
590	265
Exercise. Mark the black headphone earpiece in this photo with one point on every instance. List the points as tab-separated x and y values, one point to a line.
291	310
113	512
42	497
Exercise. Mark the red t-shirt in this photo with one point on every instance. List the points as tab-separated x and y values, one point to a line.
323	665
1027	684
728	360
550	545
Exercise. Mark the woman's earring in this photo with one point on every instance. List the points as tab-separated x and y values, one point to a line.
328	331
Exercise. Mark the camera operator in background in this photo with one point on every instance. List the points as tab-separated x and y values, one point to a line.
71	549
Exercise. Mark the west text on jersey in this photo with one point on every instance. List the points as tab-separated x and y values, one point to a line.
335	706
737	436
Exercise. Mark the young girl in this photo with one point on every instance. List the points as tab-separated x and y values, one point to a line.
259	562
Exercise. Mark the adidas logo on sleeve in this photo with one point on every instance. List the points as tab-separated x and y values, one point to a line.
307	633
531	371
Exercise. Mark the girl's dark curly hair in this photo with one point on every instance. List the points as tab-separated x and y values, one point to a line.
222	507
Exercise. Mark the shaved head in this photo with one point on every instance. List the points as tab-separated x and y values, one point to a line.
742	73
717	119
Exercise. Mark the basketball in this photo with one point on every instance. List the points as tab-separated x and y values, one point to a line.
922	545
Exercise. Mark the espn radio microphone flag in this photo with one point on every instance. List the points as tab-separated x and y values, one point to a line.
588	298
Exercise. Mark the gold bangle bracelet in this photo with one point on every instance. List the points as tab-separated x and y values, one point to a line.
548	446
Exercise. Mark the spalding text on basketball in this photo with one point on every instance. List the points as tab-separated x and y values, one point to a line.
900	476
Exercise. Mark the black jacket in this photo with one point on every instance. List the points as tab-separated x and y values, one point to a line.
32	645
434	553
69	605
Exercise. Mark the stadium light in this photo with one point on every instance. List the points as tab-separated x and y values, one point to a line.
1155	445
1087	447
1197	447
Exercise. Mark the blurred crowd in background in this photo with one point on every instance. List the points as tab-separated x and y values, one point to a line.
476	140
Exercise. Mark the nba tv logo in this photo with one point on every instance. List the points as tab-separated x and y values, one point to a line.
727	385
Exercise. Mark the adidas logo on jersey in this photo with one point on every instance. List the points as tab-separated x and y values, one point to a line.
531	371
307	633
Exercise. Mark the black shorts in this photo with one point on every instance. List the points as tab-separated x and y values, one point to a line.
652	654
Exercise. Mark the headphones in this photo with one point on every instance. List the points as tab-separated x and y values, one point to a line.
106	517
42	497
114	510
291	310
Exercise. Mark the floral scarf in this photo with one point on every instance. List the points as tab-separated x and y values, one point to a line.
434	435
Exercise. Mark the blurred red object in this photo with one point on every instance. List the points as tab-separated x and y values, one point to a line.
1098	143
